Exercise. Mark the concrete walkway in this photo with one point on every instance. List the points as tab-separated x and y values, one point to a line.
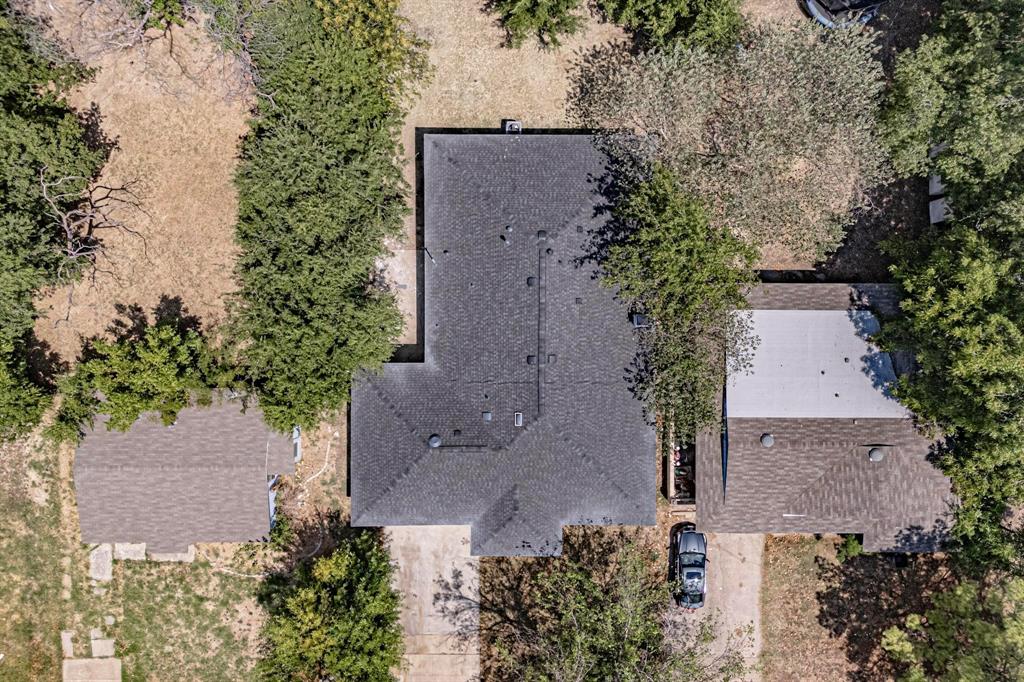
734	588
424	556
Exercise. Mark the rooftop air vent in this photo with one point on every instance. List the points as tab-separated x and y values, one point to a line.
767	440
640	321
434	441
876	454
519	419
512	126
487	416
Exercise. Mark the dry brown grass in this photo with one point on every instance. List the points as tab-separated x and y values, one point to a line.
822	620
176	114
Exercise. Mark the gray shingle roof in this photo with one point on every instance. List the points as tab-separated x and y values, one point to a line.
204	479
816	477
512	324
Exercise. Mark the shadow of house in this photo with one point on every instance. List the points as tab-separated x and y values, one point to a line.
813	438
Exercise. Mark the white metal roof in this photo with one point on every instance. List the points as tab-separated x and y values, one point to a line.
814	364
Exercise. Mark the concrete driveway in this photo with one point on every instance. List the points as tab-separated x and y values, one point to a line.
734	589
424	556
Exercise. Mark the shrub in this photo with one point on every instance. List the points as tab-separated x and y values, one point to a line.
336	618
320	189
713	24
849	548
161	14
546	20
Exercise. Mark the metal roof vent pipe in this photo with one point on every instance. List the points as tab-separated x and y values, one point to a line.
511	126
767	440
434	441
876	454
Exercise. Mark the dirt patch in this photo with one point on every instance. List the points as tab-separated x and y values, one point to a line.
174	109
822	620
772	11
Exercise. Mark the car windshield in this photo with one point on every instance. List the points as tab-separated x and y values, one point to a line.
693	575
691	559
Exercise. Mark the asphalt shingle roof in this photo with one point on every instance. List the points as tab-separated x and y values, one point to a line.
816	477
204	479
513	324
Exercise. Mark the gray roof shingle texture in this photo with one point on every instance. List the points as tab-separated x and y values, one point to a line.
513	323
204	479
816	477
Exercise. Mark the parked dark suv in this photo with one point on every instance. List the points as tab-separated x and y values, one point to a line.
842	13
688	557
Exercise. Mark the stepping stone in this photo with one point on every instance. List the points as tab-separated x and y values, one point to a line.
109	620
102	648
95	633
101	563
67	647
130	551
92	670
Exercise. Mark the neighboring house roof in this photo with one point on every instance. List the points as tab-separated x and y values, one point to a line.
514	323
204	479
816	476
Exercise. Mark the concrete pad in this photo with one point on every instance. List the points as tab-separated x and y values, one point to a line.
130	551
101	563
186	557
425	555
734	588
102	648
67	646
92	670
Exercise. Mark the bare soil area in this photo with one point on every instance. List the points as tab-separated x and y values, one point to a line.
175	111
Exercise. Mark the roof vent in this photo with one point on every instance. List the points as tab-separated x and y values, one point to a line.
640	321
876	454
512	126
487	416
767	440
434	441
518	418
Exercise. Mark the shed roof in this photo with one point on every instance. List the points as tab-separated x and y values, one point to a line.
515	323
204	479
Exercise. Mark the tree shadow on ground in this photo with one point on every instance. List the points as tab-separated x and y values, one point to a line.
899	211
871	592
134	320
44	363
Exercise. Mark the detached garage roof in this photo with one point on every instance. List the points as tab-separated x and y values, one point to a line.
813	440
204	479
520	420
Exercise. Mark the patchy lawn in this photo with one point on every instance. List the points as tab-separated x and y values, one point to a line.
822	620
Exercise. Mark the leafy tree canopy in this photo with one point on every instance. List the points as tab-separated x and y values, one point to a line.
972	633
713	24
668	261
964	86
40	138
778	139
606	617
336	619
160	368
320	189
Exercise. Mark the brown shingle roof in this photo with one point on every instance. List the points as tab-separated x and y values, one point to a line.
202	480
817	477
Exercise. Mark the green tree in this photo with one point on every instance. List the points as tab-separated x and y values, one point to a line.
162	369
972	633
320	189
605	617
778	139
336	619
713	24
963	86
41	140
668	261
546	20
